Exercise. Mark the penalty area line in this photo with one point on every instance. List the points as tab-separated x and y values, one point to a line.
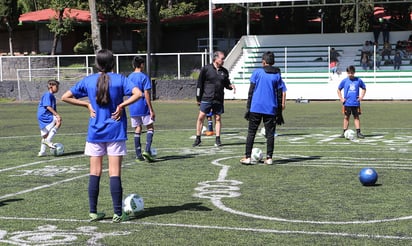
228	228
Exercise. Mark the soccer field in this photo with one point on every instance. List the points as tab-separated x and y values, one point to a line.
203	195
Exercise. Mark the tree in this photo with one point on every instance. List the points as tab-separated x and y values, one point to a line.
9	14
95	26
63	24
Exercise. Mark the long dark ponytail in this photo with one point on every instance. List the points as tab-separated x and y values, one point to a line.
104	63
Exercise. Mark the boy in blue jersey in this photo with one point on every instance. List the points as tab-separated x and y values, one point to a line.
265	85
354	92
141	112
47	116
107	130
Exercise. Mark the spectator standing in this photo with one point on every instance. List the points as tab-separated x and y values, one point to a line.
213	79
385	30
397	61
107	131
334	55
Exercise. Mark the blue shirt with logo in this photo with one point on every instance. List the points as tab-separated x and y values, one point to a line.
351	88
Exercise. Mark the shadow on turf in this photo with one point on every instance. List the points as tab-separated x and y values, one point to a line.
297	159
174	157
6	202
154	211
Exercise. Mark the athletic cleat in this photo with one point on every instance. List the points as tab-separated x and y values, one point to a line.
197	143
148	157
41	154
268	161
246	161
360	135
139	159
120	218
48	143
218	143
209	133
342	135
96	216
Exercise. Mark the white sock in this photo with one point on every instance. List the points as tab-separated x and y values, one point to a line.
42	147
52	132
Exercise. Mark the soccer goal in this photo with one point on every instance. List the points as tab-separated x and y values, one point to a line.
32	83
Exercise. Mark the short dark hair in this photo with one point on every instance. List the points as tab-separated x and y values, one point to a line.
217	53
269	57
52	82
137	61
350	69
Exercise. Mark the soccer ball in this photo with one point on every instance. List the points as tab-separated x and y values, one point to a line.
368	176
263	132
204	129
58	150
153	152
349	134
257	155
133	204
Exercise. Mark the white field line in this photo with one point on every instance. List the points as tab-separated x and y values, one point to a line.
216	200
40	162
228	228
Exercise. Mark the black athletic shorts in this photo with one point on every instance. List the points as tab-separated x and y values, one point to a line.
352	110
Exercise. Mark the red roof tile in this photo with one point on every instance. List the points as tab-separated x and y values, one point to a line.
47	14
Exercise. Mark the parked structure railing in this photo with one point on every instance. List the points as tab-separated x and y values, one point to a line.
163	65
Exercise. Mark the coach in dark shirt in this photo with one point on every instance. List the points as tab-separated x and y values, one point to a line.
213	79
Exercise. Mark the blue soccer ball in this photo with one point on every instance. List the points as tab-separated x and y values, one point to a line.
368	176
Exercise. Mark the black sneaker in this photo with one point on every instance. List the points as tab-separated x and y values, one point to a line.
218	143
360	135
197	142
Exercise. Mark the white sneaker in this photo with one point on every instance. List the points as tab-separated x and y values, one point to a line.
48	143
245	161
268	161
41	154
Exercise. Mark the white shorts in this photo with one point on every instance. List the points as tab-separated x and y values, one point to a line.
141	120
46	130
108	148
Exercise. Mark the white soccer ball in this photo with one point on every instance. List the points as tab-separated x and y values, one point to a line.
349	134
257	154
133	204
263	132
58	150
153	152
204	129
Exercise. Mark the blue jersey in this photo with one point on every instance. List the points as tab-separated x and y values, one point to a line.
264	99
351	91
44	116
103	128
141	81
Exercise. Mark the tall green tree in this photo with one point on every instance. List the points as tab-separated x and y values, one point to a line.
9	14
95	26
62	25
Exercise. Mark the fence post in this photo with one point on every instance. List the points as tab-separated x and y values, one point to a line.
178	66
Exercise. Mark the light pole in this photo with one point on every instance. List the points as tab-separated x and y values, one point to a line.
321	14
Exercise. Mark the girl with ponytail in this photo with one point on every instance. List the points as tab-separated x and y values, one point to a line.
107	130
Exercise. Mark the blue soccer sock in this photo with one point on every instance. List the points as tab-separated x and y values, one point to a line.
94	184
149	140
116	191
137	146
210	125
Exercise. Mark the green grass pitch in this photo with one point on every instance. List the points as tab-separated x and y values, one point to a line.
204	196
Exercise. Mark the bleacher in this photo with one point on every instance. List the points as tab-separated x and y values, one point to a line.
305	66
